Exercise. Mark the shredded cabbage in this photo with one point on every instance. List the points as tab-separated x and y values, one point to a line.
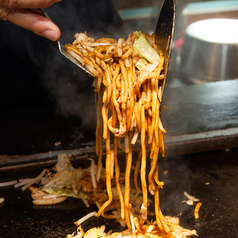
65	192
145	50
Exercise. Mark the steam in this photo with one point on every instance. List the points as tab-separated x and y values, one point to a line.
71	90
178	177
68	86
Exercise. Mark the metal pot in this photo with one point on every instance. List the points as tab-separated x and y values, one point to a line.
210	51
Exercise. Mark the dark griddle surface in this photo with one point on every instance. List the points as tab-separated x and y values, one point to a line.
27	131
218	214
199	118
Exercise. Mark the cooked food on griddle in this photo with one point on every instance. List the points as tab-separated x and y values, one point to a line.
196	210
63	181
127	81
138	231
128	78
2	200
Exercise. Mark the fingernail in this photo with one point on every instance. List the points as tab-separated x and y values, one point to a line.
51	35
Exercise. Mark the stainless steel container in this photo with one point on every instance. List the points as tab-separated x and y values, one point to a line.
210	51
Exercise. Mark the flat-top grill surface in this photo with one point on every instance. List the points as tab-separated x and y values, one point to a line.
212	177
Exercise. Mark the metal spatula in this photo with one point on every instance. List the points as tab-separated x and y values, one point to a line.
62	50
164	34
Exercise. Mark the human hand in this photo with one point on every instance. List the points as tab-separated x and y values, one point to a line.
21	13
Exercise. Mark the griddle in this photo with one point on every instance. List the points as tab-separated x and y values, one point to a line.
201	147
199	118
201	123
208	125
212	177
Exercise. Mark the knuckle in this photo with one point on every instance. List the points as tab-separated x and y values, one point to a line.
47	3
11	3
36	27
33	28
4	14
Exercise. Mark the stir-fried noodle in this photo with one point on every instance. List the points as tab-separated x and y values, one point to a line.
128	74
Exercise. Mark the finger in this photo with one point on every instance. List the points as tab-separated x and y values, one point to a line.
27	3
34	22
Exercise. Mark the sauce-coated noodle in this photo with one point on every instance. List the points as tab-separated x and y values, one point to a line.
128	75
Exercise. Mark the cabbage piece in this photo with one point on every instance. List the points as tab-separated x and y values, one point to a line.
144	65
63	179
145	50
65	192
63	162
